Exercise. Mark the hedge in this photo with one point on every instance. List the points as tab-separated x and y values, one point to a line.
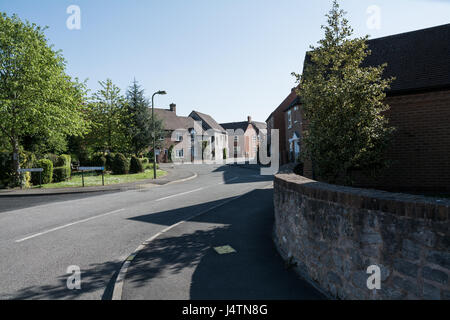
47	175
120	164
109	161
99	160
136	165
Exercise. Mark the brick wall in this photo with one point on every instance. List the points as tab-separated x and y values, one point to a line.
421	145
334	233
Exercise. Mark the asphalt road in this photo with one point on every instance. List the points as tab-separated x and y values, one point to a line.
41	237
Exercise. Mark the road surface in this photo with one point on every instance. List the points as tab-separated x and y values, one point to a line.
41	237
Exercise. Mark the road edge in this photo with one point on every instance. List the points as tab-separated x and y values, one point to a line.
118	284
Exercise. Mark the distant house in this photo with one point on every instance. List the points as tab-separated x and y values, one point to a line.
419	101
214	136
244	142
174	125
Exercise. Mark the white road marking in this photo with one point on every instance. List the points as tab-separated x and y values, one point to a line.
179	194
68	225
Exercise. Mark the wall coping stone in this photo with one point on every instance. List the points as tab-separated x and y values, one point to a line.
413	206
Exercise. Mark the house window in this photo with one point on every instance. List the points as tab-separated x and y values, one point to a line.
289	119
179	136
179	153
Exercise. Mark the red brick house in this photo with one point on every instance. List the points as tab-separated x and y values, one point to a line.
277	121
419	101
244	142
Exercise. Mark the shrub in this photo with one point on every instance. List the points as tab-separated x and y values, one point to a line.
109	161
47	175
299	169
145	161
63	160
53	158
224	153
136	165
171	153
120	164
63	170
98	160
5	169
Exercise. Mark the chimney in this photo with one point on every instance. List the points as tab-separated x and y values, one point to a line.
173	108
249	119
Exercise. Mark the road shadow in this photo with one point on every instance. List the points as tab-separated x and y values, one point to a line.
97	277
244	173
254	271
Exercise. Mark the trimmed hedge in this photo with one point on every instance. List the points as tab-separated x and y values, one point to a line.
136	165
120	164
63	170
47	175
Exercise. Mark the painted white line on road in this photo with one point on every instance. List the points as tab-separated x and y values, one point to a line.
68	225
179	194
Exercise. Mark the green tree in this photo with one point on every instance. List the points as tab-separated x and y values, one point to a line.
107	114
139	121
343	102
36	95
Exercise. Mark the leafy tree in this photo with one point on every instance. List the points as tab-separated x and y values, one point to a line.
343	103
139	120
107	113
36	95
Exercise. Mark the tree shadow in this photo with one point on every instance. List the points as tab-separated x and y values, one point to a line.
98	277
186	253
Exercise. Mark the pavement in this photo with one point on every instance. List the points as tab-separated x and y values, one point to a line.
183	264
173	175
41	237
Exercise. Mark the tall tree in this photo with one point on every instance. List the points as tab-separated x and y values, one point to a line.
139	122
36	95
344	103
107	112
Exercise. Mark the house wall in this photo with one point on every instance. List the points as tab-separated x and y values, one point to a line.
333	234
421	145
296	126
279	123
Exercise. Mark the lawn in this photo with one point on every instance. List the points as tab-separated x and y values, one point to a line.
91	179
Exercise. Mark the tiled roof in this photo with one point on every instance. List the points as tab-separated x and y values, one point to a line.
418	59
243	125
173	122
208	120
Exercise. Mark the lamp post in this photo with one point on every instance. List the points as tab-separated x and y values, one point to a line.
154	133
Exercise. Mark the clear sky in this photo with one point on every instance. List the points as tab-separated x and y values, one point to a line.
227	58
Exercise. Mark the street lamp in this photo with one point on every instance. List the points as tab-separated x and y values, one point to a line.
154	133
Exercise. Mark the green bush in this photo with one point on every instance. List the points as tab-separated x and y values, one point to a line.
145	161
298	170
120	164
136	165
99	160
47	175
53	158
5	169
109	161
63	160
61	174
63	171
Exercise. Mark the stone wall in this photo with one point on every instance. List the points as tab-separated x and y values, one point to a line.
332	234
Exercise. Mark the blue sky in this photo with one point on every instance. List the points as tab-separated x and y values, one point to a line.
228	58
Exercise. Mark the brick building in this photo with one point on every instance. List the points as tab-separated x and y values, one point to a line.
244	142
419	101
277	121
